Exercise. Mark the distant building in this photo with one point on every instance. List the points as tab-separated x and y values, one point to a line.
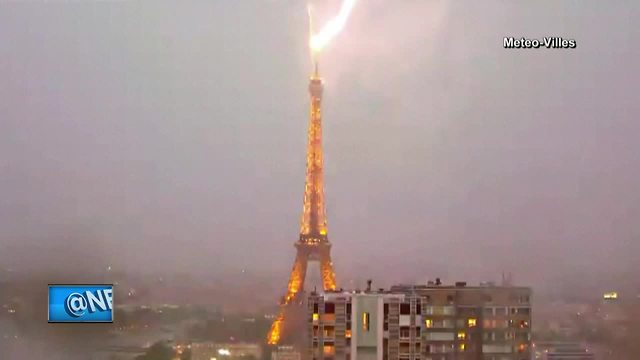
430	322
118	353
563	351
286	353
210	350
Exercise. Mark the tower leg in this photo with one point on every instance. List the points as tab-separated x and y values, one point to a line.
296	284
326	268
276	329
298	274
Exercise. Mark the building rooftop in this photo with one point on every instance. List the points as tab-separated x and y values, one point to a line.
431	285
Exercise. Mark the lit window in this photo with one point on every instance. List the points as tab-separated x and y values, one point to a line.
315	316
461	335
471	322
347	334
428	323
461	347
365	321
329	350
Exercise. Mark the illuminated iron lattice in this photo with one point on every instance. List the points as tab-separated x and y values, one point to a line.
313	244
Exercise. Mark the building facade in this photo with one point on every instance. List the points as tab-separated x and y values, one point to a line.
431	322
286	353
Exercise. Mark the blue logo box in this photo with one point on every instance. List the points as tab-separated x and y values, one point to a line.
80	303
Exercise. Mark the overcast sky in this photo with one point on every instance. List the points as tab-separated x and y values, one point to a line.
171	135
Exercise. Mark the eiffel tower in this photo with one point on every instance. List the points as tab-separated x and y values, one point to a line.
313	244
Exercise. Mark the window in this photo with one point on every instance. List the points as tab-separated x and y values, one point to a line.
347	334
328	331
461	335
365	321
439	324
448	324
405	333
328	349
386	309
440	310
403	350
450	299
497	349
418	308
315	308
524	311
329	308
448	310
405	309
440	336
315	316
471	322
488	311
349	308
417	331
461	347
429	310
524	324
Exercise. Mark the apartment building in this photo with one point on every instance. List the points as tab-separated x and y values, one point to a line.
430	322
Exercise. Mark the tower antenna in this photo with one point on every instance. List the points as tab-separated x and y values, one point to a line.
312	52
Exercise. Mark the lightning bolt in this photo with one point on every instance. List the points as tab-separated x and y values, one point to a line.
318	41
